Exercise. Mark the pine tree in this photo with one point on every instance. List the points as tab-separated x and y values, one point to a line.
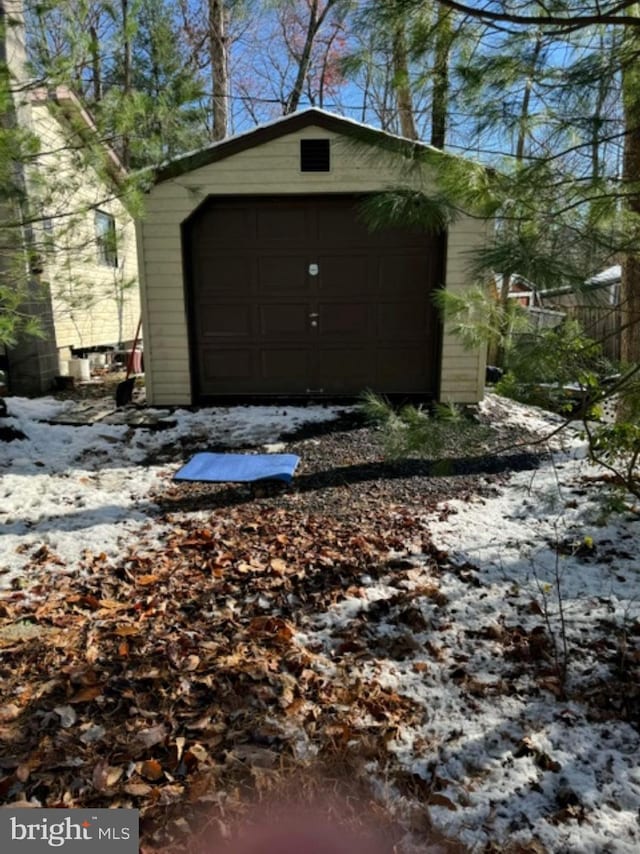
554	75
22	299
130	63
404	65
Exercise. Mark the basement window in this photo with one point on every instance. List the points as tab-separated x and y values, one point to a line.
106	239
315	155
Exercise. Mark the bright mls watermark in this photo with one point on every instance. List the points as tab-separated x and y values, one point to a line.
72	831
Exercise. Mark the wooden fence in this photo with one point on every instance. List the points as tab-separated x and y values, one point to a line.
602	323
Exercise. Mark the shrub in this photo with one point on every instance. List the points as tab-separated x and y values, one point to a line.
559	369
423	431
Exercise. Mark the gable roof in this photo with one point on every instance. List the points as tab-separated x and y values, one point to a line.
72	108
281	127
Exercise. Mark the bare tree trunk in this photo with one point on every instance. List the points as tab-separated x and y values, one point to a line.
401	82
630	286
326	59
598	153
293	100
598	123
317	15
219	69
526	101
439	103
94	48
504	323
365	93
126	77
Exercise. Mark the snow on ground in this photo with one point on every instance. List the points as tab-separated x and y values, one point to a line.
547	548
73	488
547	554
512	761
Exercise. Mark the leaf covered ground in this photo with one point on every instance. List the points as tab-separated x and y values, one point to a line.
349	641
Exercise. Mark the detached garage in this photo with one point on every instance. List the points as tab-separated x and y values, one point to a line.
259	276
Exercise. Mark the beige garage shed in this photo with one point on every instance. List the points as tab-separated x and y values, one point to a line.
259	277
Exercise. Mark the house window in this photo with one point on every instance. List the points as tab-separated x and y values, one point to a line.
48	235
315	155
106	239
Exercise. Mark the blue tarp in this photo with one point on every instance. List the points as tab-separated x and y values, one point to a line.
237	468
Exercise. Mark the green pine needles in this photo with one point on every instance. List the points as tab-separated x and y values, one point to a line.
437	432
407	208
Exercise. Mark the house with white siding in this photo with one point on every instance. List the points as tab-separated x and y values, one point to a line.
70	241
86	233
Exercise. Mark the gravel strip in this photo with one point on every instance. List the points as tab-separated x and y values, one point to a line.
343	472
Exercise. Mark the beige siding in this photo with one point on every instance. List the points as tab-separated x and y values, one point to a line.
462	371
94	303
271	169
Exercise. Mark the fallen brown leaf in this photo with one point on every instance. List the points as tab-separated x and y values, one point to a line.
151	736
278	565
86	694
138	790
151	769
147	580
9	713
127	630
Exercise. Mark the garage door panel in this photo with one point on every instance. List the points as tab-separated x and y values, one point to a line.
278	224
224	227
344	319
343	275
403	239
281	366
344	226
284	320
340	226
223	274
225	367
224	320
343	369
278	274
401	274
401	321
402	369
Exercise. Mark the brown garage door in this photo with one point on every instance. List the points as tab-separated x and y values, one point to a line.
293	295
